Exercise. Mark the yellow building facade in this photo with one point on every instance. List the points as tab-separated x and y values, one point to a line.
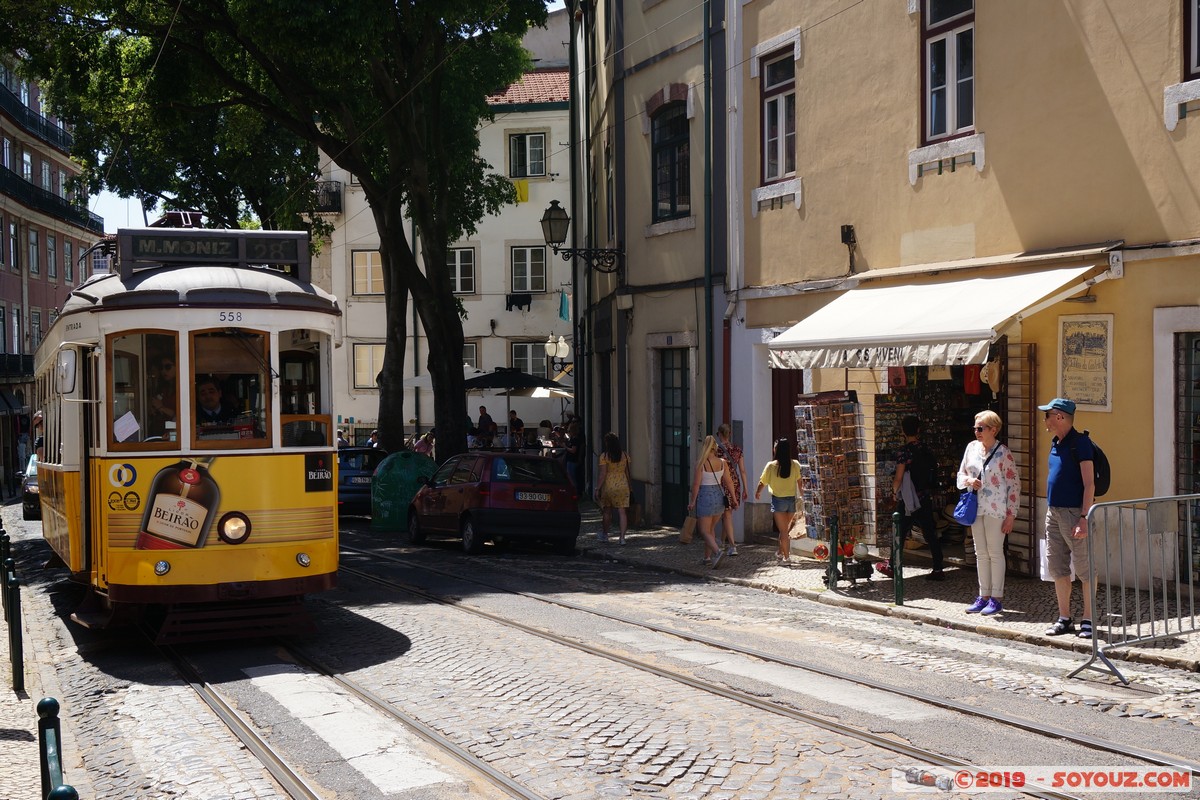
956	184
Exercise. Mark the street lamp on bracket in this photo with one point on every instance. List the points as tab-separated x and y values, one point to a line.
554	228
558	353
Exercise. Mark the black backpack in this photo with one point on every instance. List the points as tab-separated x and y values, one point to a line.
1101	471
924	469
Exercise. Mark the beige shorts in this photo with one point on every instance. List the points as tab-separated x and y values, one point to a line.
1064	551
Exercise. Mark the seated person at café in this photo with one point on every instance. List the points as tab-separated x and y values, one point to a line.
210	409
516	430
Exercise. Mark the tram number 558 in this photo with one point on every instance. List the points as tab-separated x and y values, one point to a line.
230	316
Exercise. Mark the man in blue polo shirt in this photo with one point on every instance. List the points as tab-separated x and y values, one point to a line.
1070	492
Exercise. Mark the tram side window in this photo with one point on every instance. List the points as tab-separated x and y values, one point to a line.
230	385
143	390
304	407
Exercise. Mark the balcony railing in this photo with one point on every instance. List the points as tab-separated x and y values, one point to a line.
15	366
26	193
329	197
34	122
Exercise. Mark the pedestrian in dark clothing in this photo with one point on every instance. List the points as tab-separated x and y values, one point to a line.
913	486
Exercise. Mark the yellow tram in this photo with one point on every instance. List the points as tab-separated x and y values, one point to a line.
188	460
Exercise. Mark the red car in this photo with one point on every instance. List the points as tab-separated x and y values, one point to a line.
497	496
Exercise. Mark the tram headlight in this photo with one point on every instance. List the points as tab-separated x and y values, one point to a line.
162	568
234	528
303	559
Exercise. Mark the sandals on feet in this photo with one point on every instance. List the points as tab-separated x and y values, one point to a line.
1063	625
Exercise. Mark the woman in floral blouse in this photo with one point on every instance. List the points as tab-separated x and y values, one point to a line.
989	469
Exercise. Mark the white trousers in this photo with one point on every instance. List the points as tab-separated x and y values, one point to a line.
989	555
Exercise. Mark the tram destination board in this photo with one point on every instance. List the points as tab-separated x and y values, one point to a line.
145	248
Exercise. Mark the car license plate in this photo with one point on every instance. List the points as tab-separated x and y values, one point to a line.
535	497
360	478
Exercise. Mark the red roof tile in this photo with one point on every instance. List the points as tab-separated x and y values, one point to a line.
549	85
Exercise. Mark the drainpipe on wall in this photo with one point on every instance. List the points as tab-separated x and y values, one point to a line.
416	343
709	383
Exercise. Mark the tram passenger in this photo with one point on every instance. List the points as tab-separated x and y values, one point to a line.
162	404
210	408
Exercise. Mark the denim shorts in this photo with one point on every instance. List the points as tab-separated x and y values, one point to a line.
710	501
781	505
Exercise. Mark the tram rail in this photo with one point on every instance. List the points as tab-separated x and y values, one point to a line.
1009	720
885	742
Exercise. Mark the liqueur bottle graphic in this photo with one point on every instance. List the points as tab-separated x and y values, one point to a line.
180	508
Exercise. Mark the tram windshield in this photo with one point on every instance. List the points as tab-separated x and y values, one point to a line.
231	383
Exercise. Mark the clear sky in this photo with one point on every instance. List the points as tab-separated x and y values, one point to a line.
119	213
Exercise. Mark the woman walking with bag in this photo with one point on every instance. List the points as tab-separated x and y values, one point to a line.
988	469
732	454
782	479
710	483
612	485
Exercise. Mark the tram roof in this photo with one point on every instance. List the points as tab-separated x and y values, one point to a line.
201	286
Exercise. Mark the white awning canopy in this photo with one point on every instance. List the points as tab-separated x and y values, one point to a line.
920	324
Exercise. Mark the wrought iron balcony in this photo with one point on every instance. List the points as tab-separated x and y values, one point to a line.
329	197
26	193
15	366
34	122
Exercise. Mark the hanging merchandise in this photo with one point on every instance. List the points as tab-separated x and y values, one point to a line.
936	373
897	377
971	382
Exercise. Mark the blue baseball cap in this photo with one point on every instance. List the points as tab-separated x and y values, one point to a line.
1060	404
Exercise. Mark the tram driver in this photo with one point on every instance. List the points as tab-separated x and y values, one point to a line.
210	408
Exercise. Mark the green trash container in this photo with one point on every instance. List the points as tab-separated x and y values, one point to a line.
396	482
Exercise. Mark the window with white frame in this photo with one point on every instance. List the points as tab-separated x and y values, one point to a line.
27	167
35	328
367	272
368	363
3	335
68	262
527	155
471	354
779	116
51	256
16	329
948	56
529	357
460	262
14	247
1191	39
7	154
528	269
671	145
34	265
46	176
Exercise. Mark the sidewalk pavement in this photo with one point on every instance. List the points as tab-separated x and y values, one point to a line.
1029	603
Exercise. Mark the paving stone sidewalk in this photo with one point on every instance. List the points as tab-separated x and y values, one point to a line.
1029	603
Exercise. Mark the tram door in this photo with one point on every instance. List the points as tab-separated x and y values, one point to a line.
674	405
89	373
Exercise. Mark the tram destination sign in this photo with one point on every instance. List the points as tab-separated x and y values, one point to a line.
145	248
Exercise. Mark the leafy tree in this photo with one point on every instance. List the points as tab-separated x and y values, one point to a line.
223	104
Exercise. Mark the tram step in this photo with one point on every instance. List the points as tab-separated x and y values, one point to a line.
209	621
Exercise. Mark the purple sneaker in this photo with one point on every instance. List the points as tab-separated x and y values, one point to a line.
994	606
979	605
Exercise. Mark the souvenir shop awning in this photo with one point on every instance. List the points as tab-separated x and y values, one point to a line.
919	324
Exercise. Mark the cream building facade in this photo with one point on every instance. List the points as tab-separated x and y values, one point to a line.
512	289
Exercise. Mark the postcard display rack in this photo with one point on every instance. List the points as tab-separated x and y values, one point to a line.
829	447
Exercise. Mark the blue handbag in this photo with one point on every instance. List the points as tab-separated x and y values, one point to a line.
967	507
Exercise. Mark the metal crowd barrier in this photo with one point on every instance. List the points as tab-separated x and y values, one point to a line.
50	744
1145	560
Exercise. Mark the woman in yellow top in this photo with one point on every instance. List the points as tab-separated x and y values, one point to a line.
782	479
612	485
